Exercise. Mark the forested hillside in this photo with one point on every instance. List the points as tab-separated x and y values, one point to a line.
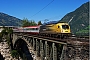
78	19
84	32
7	20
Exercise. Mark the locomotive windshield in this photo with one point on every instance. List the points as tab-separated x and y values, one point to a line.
65	26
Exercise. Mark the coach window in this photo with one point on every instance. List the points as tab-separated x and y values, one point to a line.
36	28
33	28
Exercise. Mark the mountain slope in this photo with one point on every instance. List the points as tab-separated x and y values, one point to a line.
84	32
78	19
7	20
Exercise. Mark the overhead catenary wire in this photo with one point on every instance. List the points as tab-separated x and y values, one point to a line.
42	9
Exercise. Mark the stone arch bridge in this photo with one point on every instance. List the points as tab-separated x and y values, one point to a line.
42	49
46	49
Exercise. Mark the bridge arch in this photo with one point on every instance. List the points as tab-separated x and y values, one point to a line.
18	43
22	47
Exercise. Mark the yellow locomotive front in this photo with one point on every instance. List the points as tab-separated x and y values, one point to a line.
63	28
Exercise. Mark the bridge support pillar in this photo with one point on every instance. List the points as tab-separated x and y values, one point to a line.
47	50
41	50
14	38
63	55
37	48
33	44
54	51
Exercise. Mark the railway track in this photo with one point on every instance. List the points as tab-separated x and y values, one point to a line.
69	40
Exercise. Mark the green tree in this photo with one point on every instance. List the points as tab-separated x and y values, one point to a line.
24	57
32	23
0	37
10	31
15	54
4	32
39	23
26	22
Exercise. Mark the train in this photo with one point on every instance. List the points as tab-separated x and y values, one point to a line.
60	30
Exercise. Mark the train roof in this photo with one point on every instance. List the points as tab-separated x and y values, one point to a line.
32	26
51	22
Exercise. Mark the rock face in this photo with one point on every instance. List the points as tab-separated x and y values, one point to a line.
5	52
1	57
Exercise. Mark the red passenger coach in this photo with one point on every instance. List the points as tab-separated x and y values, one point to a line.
31	29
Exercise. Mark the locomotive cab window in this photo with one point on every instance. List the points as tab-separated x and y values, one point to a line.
58	26
65	26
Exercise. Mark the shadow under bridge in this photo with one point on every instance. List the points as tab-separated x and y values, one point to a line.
22	48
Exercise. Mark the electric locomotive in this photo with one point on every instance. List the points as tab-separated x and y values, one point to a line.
56	30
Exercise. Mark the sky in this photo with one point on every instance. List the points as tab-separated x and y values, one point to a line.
39	10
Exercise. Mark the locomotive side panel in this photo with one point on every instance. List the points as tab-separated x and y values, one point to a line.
47	29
